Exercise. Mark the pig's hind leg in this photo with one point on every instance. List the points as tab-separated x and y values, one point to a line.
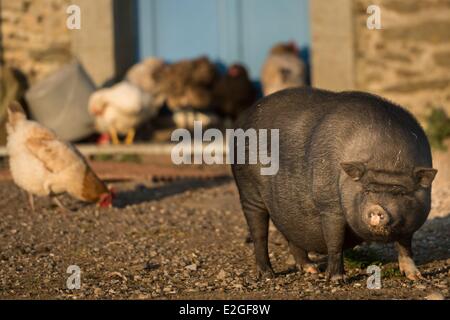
257	218
301	259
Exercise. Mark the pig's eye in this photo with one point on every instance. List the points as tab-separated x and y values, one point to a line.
398	192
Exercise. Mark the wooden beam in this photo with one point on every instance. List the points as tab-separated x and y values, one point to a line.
144	149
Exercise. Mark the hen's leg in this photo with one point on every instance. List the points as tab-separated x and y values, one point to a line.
60	205
31	202
52	181
114	137
130	136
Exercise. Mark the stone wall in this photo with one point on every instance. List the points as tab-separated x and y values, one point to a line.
332	35
408	60
35	39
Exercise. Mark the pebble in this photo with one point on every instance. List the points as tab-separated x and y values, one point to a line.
98	291
117	275
149	266
192	267
435	296
221	275
420	286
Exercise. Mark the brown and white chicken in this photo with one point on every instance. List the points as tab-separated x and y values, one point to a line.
188	86
43	165
119	110
283	69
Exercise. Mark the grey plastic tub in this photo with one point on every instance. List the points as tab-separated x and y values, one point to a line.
60	102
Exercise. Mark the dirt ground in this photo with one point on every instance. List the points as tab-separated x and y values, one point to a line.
186	240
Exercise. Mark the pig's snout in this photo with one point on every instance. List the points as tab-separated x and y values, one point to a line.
377	217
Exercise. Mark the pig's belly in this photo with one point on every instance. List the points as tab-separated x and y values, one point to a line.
304	232
293	212
308	234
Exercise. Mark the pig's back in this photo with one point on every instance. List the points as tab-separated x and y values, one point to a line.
315	123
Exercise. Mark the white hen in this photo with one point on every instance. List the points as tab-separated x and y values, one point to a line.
43	165
283	69
123	107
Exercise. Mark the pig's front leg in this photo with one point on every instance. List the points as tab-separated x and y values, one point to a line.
333	227
405	261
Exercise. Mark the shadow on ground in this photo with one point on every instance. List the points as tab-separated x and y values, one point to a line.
142	193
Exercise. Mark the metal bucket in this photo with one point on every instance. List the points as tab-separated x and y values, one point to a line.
60	102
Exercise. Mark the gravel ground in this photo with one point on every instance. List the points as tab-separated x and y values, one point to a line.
185	240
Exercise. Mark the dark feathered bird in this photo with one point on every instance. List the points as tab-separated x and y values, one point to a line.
188	84
234	92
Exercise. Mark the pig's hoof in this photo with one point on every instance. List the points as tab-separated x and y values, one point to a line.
265	274
415	276
336	278
310	268
411	272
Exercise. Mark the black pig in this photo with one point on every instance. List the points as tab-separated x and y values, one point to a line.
353	167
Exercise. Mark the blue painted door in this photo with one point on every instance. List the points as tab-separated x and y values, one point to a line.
226	30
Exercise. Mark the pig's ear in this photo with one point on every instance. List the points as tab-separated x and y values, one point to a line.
354	169
424	176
